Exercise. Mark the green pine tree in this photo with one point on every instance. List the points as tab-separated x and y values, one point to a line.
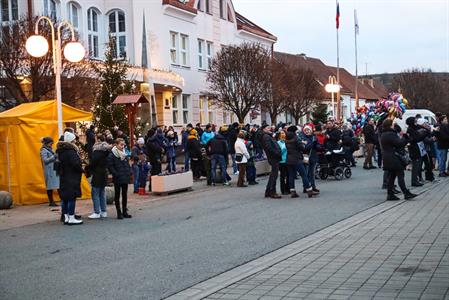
112	82
320	114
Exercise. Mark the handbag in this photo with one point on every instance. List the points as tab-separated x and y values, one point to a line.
404	158
238	157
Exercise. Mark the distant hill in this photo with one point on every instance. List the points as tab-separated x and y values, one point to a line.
387	78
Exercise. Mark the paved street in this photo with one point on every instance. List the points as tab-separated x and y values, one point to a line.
175	243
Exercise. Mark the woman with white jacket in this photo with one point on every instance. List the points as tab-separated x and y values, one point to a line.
241	157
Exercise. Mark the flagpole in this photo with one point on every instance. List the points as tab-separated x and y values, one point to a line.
356	31
338	69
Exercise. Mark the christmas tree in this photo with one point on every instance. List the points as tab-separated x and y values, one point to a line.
112	74
320	114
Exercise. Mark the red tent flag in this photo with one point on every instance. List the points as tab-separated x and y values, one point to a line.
337	18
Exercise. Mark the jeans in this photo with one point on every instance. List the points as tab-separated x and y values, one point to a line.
234	164
135	169
99	199
171	164
442	161
68	206
303	172
271	185
186	160
251	173
220	160
310	170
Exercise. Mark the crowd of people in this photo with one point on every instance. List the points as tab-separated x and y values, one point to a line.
292	151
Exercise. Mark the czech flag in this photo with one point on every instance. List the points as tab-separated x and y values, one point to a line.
337	18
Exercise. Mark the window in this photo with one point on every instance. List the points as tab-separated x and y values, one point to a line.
174	104
185	108
201	54
184	50
9	10
208	8
50	9
203	106
117	30
209	54
210	111
207	110
222	9
73	14
225	117
174	47
92	31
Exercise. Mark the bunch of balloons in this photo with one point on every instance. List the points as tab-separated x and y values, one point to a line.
394	106
360	118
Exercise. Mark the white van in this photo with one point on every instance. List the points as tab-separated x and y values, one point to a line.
425	113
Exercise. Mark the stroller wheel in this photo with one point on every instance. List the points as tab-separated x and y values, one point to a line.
348	172
338	173
323	174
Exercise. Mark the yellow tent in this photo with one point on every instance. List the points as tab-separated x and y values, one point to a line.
21	130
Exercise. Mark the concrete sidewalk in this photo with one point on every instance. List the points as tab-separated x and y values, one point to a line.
396	250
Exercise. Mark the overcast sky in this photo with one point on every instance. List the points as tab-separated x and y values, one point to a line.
394	34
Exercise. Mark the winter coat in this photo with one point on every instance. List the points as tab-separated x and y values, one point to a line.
370	134
70	170
171	147
271	148
90	141
120	169
312	147
48	158
99	163
240	148
232	137
442	136
206	137
294	149
416	135
136	152
184	140
218	145
283	151
391	143
333	138
154	150
194	148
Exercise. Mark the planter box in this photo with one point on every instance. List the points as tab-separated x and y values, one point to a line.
171	183
262	167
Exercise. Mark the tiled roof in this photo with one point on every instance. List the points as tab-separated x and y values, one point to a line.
188	6
246	25
322	73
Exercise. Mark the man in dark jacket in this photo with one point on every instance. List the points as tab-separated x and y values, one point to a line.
442	135
154	152
333	136
70	171
274	156
416	140
218	150
97	168
369	133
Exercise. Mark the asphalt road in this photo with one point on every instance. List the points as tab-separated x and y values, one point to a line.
172	244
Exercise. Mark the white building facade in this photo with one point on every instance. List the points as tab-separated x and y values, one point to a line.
169	43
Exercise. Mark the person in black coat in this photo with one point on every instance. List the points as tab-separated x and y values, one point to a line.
196	156
70	171
369	132
120	169
333	136
232	137
98	170
274	156
442	136
347	139
154	151
219	151
90	140
393	148
416	146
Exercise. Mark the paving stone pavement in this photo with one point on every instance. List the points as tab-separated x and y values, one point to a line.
398	250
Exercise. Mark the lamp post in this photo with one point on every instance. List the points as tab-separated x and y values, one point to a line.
37	46
332	87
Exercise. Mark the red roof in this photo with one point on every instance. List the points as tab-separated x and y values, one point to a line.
322	73
130	99
188	6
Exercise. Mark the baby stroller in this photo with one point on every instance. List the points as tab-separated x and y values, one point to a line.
333	163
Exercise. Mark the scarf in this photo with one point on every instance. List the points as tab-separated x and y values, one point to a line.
118	153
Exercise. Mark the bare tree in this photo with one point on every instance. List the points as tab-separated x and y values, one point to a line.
16	65
277	104
240	78
304	92
423	89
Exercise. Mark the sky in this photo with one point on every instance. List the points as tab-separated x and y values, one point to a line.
395	35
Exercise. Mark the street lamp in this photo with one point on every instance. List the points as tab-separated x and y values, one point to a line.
37	46
332	87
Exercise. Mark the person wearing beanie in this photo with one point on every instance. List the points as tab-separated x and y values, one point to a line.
194	148
70	171
136	152
118	166
48	158
98	169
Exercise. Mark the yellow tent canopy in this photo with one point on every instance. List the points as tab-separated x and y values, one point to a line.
21	131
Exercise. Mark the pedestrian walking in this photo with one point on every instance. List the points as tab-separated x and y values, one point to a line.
120	169
70	171
48	158
241	157
98	170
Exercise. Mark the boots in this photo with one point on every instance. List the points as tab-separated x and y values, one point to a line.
73	221
311	192
294	194
408	195
125	209
275	196
392	197
119	214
